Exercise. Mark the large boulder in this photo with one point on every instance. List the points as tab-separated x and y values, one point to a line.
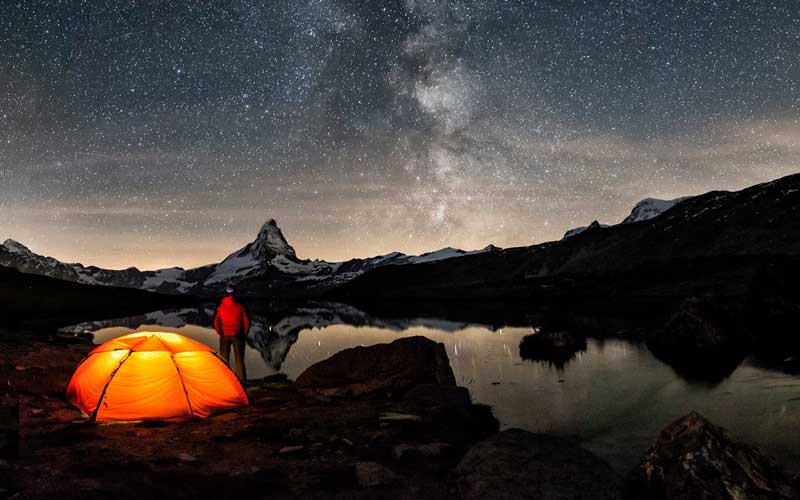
693	459
522	465
392	368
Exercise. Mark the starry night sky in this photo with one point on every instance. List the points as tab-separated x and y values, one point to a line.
157	133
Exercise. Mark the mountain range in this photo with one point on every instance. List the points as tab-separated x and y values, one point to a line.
707	243
644	210
759	220
269	258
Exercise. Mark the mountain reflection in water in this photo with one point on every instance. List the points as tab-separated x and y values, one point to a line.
613	397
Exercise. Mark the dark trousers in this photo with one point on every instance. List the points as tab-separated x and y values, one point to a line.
237	341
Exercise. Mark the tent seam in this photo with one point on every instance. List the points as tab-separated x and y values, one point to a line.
132	348
166	347
180	376
111	377
105	388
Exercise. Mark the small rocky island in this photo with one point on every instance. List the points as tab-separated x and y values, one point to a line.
386	421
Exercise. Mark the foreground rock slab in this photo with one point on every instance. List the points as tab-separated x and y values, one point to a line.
694	459
383	368
522	465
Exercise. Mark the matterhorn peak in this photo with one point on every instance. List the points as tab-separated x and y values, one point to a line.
271	242
271	223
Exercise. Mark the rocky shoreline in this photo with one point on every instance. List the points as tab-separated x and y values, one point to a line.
385	421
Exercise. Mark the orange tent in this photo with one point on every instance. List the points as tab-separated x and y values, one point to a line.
153	376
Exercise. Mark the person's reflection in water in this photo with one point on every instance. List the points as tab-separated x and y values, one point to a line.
232	324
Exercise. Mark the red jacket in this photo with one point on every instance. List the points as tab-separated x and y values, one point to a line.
231	318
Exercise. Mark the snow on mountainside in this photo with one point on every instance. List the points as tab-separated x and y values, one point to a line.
651	207
164	277
15	254
269	258
16	247
646	209
579	230
444	253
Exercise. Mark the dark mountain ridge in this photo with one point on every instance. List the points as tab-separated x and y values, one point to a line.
715	234
34	302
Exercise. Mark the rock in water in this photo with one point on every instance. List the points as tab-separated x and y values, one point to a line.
556	347
383	368
694	459
522	465
701	340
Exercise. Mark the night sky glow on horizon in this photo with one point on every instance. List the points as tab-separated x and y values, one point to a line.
157	133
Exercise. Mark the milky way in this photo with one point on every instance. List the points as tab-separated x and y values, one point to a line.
156	133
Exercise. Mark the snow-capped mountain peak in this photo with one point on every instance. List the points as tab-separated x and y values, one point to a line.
442	253
269	247
271	243
578	230
646	209
649	208
15	254
16	247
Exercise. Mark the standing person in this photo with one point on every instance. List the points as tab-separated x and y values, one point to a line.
232	324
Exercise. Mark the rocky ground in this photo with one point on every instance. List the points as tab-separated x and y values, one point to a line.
395	429
287	444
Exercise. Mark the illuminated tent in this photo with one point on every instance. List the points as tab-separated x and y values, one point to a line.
153	376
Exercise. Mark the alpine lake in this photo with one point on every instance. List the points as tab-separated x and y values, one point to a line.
612	398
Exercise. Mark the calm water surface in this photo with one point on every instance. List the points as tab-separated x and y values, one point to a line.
613	398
